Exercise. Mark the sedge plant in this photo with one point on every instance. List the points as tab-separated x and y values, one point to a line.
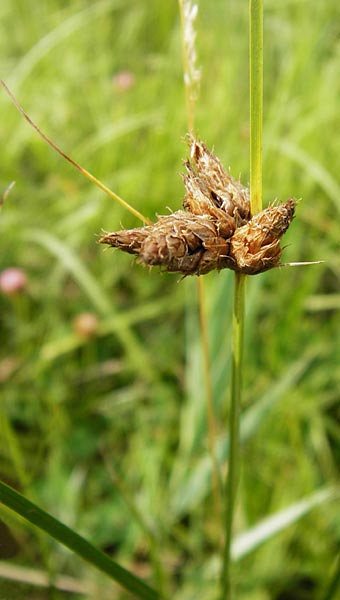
54	528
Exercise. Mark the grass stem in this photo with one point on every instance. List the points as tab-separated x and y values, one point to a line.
83	171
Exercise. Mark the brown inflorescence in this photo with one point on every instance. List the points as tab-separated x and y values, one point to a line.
215	230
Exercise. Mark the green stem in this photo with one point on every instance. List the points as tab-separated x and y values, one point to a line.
234	428
69	538
256	102
83	171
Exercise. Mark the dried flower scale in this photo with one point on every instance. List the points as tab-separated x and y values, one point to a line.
215	230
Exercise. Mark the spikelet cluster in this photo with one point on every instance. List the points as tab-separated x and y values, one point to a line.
215	230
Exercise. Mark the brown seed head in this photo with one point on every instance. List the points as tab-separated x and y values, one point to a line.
255	247
222	189
214	231
129	240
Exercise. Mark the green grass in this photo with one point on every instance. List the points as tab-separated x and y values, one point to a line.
95	430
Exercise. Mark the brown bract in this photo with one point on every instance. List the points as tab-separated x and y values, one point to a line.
215	230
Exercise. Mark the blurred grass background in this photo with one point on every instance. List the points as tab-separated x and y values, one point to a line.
93	423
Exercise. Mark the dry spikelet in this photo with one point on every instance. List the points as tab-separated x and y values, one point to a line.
206	174
255	247
215	230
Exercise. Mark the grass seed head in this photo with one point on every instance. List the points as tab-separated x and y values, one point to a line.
215	230
255	247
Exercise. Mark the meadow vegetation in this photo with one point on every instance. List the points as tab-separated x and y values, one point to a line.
103	418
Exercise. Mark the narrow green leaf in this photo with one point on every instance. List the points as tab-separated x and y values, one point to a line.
266	529
66	536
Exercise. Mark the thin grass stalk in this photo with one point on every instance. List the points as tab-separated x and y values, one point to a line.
83	171
188	13
237	368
